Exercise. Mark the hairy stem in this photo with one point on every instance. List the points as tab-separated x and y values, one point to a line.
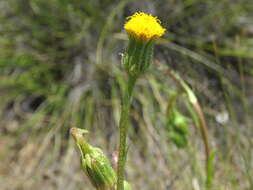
123	127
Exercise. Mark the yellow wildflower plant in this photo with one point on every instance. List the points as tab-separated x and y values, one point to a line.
144	26
143	29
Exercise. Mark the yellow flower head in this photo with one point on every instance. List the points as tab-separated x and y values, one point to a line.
144	26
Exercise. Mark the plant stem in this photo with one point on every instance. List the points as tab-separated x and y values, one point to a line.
123	127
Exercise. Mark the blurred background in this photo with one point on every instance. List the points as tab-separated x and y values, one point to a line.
60	68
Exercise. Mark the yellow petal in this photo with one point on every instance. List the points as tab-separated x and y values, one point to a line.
144	26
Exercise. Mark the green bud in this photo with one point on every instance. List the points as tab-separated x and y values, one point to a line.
95	164
180	123
177	128
138	56
179	140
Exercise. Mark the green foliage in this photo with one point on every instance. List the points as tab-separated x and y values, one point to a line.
210	170
28	75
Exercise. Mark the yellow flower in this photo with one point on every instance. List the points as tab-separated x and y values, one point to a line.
143	30
144	26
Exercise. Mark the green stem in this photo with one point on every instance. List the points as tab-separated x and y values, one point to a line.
123	127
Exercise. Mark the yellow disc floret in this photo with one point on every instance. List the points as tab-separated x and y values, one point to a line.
144	26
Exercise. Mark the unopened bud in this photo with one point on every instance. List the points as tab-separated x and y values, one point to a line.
95	164
177	128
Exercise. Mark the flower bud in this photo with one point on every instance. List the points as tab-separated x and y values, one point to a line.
95	164
179	140
177	128
180	123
